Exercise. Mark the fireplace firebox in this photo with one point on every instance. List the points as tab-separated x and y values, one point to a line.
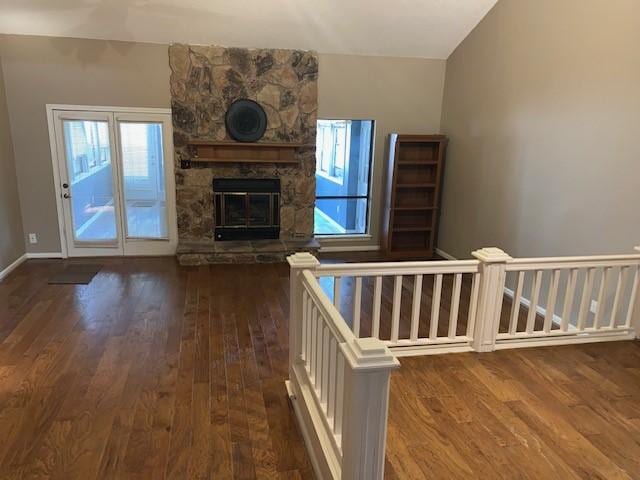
246	209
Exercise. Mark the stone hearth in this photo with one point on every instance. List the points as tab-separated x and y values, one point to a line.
205	80
256	251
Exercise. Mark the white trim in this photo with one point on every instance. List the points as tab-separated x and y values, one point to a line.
419	350
161	246
102	108
445	255
46	255
584	337
350	237
315	447
12	266
350	248
53	146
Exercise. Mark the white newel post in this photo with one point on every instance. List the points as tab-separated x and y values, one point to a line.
298	262
366	399
493	274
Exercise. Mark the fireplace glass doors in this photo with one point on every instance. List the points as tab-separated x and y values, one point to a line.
246	209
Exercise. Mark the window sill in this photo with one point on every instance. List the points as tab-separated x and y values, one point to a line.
355	237
336	180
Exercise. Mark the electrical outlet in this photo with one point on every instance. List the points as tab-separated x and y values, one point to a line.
33	238
594	306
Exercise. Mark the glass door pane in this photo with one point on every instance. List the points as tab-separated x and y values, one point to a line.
90	181
143	180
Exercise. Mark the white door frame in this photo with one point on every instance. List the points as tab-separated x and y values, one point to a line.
167	248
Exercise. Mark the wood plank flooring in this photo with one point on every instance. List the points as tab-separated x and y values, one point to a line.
570	412
149	372
155	371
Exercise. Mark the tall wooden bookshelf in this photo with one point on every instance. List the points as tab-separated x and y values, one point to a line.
412	210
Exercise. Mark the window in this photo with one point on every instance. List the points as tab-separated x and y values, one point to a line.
343	169
87	145
331	146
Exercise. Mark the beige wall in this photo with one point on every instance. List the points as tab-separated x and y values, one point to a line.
401	94
11	233
542	107
42	70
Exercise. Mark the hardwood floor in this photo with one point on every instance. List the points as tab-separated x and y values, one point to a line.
155	371
151	371
570	412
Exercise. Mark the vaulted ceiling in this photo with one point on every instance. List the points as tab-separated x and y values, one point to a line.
408	28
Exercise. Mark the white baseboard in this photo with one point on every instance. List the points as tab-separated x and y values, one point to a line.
16	263
525	302
45	255
349	248
445	255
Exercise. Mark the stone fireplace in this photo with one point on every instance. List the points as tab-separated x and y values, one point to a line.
205	80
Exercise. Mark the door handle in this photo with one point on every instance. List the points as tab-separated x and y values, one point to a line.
65	185
66	195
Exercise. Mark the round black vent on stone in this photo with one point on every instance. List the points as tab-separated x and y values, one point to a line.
246	121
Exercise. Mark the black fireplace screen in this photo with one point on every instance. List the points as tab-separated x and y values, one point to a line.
246	209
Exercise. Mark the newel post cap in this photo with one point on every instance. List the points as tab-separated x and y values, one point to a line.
491	255
302	260
369	354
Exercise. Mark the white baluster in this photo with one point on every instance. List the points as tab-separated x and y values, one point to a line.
305	306
515	306
600	305
338	419
551	300
318	334
314	344
633	299
617	299
455	305
473	304
415	308
435	307
585	302
331	394
395	312
357	305
572	280
336	292
324	383
533	306
377	303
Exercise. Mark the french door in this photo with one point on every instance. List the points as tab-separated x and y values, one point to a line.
116	182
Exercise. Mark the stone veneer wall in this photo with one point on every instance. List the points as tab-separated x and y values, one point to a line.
205	80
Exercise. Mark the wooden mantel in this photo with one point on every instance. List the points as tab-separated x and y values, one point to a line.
238	152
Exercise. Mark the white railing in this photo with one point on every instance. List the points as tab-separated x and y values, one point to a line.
433	323
339	381
571	299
